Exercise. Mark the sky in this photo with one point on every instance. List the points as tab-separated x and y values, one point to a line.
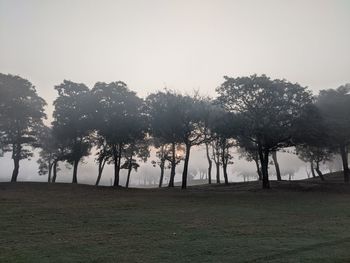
184	45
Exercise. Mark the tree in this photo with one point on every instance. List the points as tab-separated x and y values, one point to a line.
21	116
165	125
314	155
138	149
103	154
71	124
119	118
267	108
191	122
334	105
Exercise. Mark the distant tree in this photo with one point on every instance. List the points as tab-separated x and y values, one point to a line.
267	108
311	135
334	106
138	150
21	117
165	125
103	155
119	118
190	116
314	155
249	150
71	124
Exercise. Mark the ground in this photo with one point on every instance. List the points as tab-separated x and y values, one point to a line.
304	221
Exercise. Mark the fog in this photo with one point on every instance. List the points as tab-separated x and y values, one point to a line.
181	45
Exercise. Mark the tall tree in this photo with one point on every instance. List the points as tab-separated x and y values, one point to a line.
21	117
71	124
268	109
165	125
119	118
334	105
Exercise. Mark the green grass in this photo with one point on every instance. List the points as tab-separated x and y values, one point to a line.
292	222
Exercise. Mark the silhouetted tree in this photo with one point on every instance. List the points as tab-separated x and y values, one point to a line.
268	109
71	124
118	118
21	116
138	150
335	108
165	125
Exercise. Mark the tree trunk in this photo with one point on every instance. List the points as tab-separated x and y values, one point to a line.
277	167
312	169
258	169
344	157
224	164
50	172
173	166
161	173
75	172
184	173
129	172
15	169
54	171
101	165
16	153
210	162
117	160
264	159
318	171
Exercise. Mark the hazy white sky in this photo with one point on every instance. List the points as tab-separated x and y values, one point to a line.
181	44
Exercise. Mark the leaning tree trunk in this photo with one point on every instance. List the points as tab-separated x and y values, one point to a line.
173	166
128	177
258	169
15	169
277	166
184	173
101	165
320	174
54	168
210	162
162	164
75	172
344	157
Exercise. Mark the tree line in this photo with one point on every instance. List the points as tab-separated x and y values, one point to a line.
256	114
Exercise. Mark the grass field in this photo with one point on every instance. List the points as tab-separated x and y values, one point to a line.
305	221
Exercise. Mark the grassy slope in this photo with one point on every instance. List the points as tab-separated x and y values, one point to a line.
293	222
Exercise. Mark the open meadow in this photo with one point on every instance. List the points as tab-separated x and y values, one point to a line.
301	221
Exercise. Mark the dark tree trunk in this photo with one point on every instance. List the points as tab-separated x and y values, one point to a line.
54	168
258	169
50	172
15	169
184	173
173	166
277	166
224	164
16	153
162	165
129	172
210	162
101	165
318	171
312	169
264	159
117	160
344	157
75	172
